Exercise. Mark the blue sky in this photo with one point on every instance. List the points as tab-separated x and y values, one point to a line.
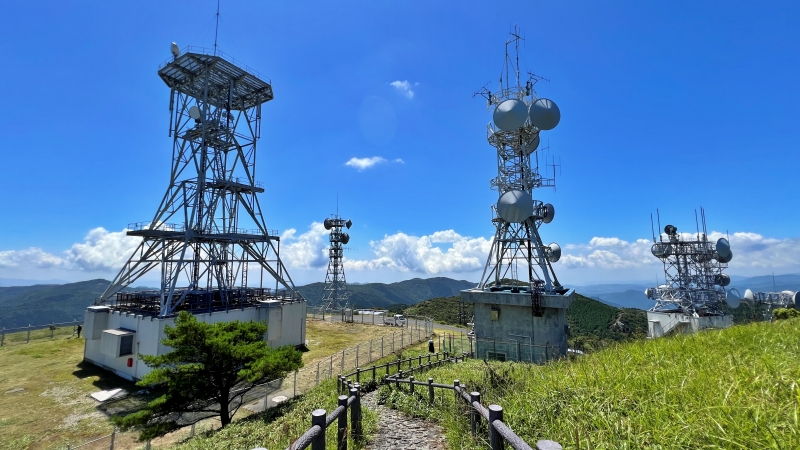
671	105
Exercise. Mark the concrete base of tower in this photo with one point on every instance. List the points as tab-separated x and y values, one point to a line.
115	338
662	323
506	328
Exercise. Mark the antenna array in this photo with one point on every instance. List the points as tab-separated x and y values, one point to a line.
519	116
336	296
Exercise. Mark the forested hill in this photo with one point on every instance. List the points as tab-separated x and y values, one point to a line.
380	295
593	324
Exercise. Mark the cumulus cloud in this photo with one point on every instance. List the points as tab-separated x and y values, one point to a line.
100	250
750	250
404	87
306	251
406	253
365	163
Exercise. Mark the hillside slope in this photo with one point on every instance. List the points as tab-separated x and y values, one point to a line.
735	388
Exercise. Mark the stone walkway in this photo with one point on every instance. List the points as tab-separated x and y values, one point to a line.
398	431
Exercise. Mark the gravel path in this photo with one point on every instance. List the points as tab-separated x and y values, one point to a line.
398	431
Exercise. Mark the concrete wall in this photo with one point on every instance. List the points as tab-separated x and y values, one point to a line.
517	327
286	325
660	324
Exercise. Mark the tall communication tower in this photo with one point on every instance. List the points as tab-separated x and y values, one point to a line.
336	295
694	282
518	271
519	116
208	233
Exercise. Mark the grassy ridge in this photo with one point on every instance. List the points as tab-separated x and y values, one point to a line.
725	389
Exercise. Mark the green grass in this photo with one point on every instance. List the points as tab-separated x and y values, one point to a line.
726	389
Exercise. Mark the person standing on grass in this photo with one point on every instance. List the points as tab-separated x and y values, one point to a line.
430	346
78	330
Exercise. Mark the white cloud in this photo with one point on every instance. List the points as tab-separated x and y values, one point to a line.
405	253
307	250
365	163
404	87
100	250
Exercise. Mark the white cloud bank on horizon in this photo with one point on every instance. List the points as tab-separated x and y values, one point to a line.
404	88
101	250
396	256
361	164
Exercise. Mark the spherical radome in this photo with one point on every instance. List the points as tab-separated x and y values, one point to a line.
544	114
510	115
515	206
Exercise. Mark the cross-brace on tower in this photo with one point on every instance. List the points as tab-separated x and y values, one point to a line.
694	278
336	295
517	244
209	230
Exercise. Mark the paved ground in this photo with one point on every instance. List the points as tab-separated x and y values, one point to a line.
398	431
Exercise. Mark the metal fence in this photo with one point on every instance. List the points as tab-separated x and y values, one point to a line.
20	335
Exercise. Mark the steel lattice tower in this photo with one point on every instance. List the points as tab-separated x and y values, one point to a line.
336	295
517	245
694	278
209	230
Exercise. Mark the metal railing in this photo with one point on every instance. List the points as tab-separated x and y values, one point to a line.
499	432
315	436
53	329
221	54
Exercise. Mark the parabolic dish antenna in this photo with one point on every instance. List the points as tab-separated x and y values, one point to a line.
328	224
544	114
727	258
733	301
723	279
549	212
723	247
348	224
555	252
531	146
345	238
749	297
661	250
510	115
194	112
515	206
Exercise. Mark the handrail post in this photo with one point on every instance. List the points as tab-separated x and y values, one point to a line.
456	385
318	418
113	435
473	413
355	415
358	374
358	346
411	382
430	390
397	379
318	373
495	440
382	346
373	372
341	435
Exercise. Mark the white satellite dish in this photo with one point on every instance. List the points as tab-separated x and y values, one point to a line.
515	206
555	252
531	146
175	50
795	298
544	114
648	293
194	112
749	297
548	213
510	115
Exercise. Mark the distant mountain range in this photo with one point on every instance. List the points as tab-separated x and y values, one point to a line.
46	303
632	295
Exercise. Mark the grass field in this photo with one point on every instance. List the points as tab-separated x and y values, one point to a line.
736	388
44	386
